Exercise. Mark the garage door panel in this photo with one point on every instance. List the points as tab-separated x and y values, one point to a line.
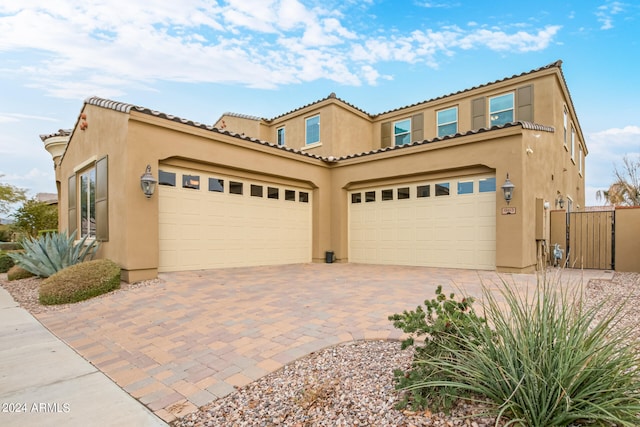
456	231
202	229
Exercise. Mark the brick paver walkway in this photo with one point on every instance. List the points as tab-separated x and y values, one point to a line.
197	335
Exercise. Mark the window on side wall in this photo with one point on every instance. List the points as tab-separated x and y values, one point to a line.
565	123
87	204
501	109
447	121
402	132
280	136
312	130
580	160
573	143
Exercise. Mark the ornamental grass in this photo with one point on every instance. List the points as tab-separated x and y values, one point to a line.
545	360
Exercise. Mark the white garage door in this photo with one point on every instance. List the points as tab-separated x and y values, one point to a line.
211	221
442	223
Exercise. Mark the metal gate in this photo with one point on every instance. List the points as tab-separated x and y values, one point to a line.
591	240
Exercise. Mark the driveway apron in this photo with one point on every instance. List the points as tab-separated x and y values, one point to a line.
192	337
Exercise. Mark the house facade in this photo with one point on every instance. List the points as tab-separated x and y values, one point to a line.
418	185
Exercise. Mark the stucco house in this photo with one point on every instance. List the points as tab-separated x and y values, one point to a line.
417	185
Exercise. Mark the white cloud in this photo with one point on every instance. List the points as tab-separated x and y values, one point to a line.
607	148
606	12
521	41
104	48
17	117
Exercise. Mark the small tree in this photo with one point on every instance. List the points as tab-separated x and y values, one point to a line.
9	195
34	216
625	191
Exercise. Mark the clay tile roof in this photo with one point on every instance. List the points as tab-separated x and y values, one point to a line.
127	108
332	95
556	64
61	132
524	125
242	116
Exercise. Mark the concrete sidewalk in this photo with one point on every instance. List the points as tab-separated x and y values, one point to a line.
43	382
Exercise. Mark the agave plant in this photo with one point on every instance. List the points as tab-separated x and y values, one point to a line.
50	253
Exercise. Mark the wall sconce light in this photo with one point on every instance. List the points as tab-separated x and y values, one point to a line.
560	201
148	183
507	189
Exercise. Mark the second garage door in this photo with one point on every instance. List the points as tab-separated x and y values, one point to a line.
442	223
214	220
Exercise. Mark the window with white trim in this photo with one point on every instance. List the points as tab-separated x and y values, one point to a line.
402	132
280	136
312	130
447	121
501	109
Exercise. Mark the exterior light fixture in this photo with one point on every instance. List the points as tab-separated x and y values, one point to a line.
148	183
507	189
560	201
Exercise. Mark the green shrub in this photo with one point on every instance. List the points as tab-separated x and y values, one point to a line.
16	273
50	253
441	325
547	361
5	233
6	262
80	282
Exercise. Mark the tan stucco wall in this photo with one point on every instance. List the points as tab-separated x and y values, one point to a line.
535	159
627	245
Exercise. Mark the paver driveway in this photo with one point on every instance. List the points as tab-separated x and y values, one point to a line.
194	336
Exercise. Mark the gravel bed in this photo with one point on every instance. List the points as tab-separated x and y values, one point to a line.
350	384
347	385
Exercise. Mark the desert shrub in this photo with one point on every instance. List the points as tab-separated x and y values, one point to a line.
547	361
50	253
5	233
441	325
6	262
80	282
16	273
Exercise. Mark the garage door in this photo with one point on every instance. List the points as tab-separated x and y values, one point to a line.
211	221
442	223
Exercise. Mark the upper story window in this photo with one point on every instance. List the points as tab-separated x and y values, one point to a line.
580	160
565	122
573	143
402	132
280	133
501	109
312	134
448	121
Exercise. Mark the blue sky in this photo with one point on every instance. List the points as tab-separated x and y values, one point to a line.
200	58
